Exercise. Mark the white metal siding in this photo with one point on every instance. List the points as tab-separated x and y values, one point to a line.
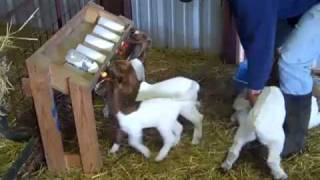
173	24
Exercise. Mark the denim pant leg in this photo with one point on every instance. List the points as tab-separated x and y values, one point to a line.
298	53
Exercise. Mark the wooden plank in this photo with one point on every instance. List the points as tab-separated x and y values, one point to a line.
92	13
81	99
47	117
72	160
61	73
112	17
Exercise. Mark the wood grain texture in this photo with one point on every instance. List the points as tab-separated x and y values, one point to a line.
72	160
47	117
82	105
26	89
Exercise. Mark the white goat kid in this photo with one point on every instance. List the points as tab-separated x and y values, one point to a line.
242	107
263	122
162	114
178	88
314	115
241	104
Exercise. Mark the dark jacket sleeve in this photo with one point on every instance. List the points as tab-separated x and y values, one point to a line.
256	22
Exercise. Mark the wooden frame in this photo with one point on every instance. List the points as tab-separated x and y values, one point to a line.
47	71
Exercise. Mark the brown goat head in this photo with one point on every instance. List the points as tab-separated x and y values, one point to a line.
120	75
136	46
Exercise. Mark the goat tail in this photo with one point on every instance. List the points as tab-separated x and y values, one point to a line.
314	121
314	115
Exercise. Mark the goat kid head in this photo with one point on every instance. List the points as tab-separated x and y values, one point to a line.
143	43
123	75
135	46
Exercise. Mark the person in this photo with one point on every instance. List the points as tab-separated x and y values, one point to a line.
256	23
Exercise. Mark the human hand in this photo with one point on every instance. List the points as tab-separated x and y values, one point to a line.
252	96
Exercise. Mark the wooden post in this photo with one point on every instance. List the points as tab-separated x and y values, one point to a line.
48	70
47	117
82	105
72	161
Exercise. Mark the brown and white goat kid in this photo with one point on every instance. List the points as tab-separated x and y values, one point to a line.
134	89
124	70
159	113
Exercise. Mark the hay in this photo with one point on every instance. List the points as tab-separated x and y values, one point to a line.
9	151
7	42
5	84
187	161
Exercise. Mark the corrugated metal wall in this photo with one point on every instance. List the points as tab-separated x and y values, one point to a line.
47	16
173	24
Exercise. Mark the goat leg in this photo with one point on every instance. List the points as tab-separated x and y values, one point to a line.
242	137
135	140
274	160
119	135
168	142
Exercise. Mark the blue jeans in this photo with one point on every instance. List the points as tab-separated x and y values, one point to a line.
298	52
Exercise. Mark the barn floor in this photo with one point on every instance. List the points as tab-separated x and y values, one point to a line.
202	161
187	161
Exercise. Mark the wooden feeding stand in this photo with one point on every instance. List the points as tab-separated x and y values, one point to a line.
47	71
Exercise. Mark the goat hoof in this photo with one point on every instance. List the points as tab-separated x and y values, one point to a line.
195	141
114	148
176	142
147	154
226	166
158	159
105	112
281	176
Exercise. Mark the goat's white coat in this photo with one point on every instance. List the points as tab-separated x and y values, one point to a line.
162	114
315	115
263	122
138	68
242	104
178	88
258	122
162	101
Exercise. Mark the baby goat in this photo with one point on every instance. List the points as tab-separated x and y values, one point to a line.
159	113
241	105
269	133
263	122
133	89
